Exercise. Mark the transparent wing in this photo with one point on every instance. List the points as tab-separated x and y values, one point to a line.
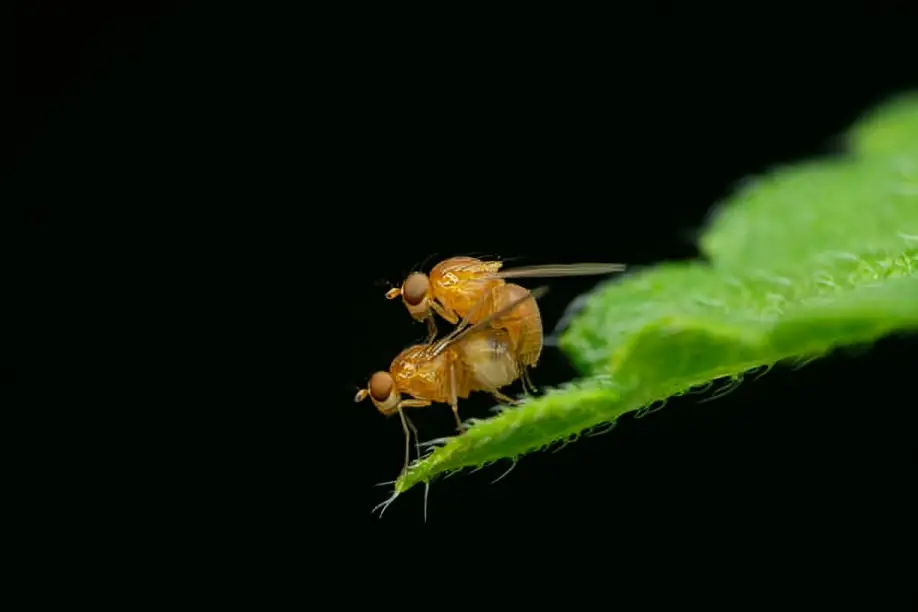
464	329
556	270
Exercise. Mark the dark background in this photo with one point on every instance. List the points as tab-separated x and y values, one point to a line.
208	206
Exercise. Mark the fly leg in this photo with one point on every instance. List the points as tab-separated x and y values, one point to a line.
503	398
453	399
527	382
444	312
409	403
407	441
417	439
524	379
431	328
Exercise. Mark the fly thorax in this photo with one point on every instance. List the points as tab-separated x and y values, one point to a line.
404	372
447	280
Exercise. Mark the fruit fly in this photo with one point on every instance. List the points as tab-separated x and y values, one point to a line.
474	357
456	285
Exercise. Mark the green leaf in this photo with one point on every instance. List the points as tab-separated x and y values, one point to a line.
800	262
888	129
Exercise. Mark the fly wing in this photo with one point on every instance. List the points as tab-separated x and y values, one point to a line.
556	270
463	330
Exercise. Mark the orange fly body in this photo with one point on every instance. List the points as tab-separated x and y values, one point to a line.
455	287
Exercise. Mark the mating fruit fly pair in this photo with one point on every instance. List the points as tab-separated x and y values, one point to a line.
498	335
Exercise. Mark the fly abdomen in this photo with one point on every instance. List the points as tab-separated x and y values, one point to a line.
490	361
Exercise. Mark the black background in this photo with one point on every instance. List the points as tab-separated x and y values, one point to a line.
212	202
